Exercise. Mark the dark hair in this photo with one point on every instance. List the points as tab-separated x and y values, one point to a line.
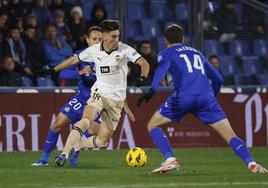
212	56
49	25
174	34
93	28
109	25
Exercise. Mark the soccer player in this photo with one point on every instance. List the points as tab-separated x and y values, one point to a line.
108	92
71	112
192	93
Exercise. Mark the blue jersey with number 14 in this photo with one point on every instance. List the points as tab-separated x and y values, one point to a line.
189	69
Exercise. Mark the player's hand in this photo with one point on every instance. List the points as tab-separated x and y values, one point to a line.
44	72
141	81
85	70
146	96
131	116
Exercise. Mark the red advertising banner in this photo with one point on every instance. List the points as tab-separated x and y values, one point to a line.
26	118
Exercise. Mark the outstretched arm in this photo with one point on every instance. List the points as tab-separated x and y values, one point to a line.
66	63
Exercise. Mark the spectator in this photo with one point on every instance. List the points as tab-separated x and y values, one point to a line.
8	76
214	60
254	22
41	11
17	8
62	29
59	5
77	27
3	32
146	51
98	14
31	20
15	48
35	56
227	18
55	49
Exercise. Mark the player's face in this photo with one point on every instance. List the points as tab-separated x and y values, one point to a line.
111	39
94	37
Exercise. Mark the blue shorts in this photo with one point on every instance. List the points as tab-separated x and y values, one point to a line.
204	107
73	110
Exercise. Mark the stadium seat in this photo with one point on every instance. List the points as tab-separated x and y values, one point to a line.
260	48
87	7
135	11
45	82
262	79
27	82
150	29
131	30
212	6
110	10
181	12
160	11
213	47
243	80
160	43
251	66
228	66
238	48
239	10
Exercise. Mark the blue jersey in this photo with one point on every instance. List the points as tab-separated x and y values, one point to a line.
189	69
74	108
192	93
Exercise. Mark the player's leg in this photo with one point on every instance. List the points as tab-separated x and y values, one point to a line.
89	115
52	138
224	129
162	143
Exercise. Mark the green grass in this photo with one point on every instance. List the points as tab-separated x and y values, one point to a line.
201	167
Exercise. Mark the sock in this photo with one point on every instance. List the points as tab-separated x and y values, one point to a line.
87	134
72	140
240	149
160	140
49	145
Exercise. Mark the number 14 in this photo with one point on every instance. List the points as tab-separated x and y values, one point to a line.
197	63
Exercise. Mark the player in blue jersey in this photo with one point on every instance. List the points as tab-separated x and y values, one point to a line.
192	93
71	112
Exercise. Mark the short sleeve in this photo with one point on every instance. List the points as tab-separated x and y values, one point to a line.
132	54
85	56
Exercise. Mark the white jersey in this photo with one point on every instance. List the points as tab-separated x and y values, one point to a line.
111	69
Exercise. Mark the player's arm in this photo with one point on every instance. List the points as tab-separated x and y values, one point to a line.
160	72
66	63
145	67
136	58
214	76
128	111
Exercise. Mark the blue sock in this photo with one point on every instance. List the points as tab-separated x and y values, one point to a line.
160	140
240	149
49	145
87	134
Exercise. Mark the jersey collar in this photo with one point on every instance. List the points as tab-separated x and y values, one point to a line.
102	49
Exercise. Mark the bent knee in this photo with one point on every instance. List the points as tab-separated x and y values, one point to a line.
57	126
101	143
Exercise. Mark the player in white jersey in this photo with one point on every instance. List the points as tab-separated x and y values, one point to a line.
108	92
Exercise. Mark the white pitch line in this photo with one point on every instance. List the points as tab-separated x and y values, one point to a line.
209	184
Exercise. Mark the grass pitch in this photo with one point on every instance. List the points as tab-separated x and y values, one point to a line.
201	167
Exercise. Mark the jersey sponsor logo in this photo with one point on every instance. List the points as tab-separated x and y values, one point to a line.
105	69
117	59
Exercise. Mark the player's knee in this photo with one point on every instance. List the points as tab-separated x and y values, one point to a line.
57	126
150	125
84	124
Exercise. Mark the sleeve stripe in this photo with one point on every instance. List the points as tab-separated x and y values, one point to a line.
137	59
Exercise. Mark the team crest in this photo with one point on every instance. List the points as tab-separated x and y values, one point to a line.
117	59
67	109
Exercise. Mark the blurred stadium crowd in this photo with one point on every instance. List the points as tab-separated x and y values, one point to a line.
42	33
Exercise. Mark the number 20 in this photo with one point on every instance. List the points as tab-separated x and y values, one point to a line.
197	63
76	104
